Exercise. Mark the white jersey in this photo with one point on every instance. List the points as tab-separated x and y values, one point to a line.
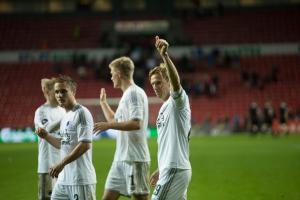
173	128
46	117
132	145
76	127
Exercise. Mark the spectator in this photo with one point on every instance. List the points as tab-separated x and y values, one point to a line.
268	117
254	118
283	117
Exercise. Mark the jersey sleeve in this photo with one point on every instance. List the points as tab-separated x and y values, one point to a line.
179	98
40	120
85	126
135	106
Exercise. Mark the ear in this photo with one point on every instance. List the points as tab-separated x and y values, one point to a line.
120	76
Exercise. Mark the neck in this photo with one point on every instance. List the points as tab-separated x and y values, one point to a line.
53	104
167	93
70	106
166	97
126	84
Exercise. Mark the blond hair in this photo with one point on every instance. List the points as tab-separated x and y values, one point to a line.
47	84
161	70
125	65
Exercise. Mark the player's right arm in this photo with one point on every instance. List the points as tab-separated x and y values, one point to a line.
108	112
162	47
42	133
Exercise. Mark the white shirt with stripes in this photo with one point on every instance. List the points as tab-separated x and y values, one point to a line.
76	127
132	145
173	127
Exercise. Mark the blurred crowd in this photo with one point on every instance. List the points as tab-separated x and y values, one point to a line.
258	120
264	119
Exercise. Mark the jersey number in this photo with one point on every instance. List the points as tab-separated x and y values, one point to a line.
157	189
76	197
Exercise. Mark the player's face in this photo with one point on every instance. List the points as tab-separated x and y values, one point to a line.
64	95
160	86
115	77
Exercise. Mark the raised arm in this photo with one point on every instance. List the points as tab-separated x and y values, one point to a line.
162	47
108	112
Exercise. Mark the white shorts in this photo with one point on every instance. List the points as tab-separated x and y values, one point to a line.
128	178
74	192
172	184
45	186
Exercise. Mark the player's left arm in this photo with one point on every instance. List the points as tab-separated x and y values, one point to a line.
162	47
78	151
130	125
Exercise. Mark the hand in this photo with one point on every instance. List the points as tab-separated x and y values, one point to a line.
161	46
102	96
42	133
55	170
154	178
100	126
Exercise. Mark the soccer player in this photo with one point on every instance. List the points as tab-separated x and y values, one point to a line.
48	117
75	171
129	173
172	178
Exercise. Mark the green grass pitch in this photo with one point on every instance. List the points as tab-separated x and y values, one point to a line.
224	168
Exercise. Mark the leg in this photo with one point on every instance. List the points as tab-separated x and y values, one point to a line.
44	186
138	180
110	195
172	185
140	197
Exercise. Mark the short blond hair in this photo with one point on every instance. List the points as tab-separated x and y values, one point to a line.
125	65
47	83
161	70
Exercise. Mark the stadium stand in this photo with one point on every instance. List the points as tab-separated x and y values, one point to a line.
20	82
49	32
20	95
262	27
